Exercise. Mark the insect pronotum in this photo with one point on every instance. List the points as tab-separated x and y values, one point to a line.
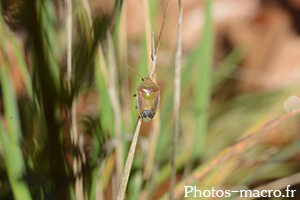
147	96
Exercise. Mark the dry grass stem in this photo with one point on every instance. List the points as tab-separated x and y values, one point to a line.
153	56
152	46
162	27
127	168
73	131
152	147
156	122
69	38
177	84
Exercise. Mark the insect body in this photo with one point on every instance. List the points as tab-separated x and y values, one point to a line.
147	97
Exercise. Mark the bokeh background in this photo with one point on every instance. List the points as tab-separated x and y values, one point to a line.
240	63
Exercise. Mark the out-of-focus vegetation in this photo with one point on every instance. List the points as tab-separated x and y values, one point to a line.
240	63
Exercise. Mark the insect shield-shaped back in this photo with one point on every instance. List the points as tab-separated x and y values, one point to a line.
147	97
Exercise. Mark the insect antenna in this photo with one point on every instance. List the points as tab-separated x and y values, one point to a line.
134	71
156	69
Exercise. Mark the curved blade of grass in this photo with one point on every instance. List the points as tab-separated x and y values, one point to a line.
49	47
14	165
127	168
106	113
11	113
118	5
10	141
203	81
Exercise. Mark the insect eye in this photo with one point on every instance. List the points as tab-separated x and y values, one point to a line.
142	79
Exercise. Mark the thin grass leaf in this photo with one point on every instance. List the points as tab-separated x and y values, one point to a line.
10	141
49	42
116	17
92	193
2	29
105	110
202	83
10	105
14	165
135	186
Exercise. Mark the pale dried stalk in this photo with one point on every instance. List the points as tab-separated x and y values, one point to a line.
177	83
155	129
126	172
69	38
153	56
152	147
73	131
162	27
77	164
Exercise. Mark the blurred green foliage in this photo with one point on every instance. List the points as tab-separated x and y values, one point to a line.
35	127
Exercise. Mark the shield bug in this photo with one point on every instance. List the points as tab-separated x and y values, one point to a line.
147	97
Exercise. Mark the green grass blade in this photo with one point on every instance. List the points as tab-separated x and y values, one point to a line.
10	142
203	81
48	33
105	110
10	105
14	165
